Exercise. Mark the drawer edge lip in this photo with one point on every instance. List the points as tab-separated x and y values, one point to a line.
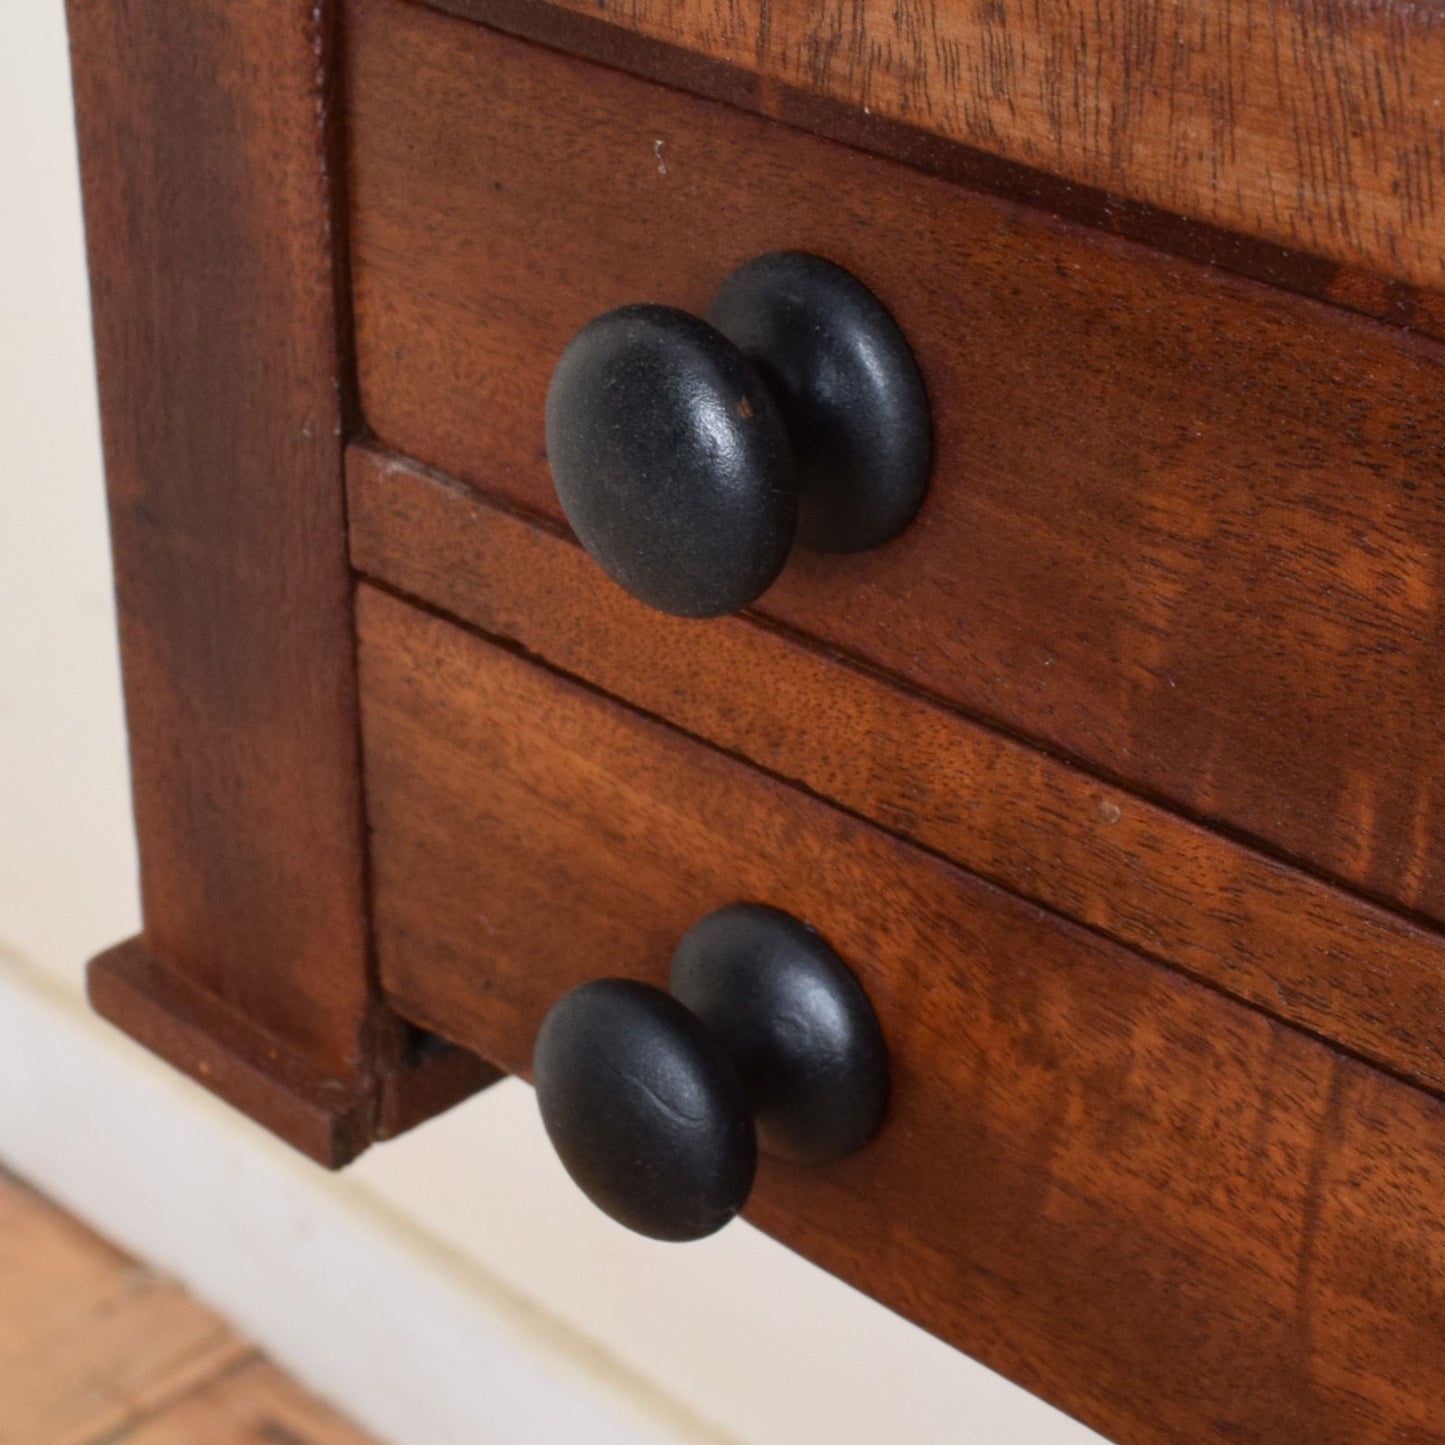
1376	291
1419	942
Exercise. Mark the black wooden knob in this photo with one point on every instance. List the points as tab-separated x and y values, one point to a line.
657	1103
689	455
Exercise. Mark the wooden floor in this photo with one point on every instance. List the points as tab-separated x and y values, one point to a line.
96	1349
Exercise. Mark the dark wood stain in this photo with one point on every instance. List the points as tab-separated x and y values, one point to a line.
594	36
1168	1214
205	139
1183	529
1288	942
1313	127
1162	653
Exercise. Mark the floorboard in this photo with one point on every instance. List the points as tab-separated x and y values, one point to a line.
96	1349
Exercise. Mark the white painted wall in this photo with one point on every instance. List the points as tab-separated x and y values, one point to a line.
451	1287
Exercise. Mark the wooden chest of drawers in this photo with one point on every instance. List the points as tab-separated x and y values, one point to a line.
1116	778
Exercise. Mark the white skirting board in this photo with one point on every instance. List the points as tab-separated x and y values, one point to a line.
417	1345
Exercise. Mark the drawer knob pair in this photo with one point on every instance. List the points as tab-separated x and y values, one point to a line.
658	1102
689	455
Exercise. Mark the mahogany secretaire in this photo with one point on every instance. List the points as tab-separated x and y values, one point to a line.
991	734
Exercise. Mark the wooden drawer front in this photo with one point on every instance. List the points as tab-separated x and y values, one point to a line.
1294	944
1181	527
1169	1214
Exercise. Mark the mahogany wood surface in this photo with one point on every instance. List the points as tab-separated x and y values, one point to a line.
590	34
206	131
1182	529
1247	923
226	1052
1317	126
1171	1215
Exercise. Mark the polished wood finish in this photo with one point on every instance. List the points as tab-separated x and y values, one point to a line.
222	1049
229	1054
1318	127
1172	1216
1182	529
206	134
590	34
1301	949
1162	656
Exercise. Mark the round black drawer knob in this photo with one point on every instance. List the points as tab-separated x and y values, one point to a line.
689	455
657	1103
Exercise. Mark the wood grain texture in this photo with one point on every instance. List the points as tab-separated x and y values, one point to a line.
55	1271
1182	529
1290	943
1170	1215
589	34
238	1061
205	133
202	136
91	1342
96	1349
256	1405
152	1347
1315	126
279	1088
